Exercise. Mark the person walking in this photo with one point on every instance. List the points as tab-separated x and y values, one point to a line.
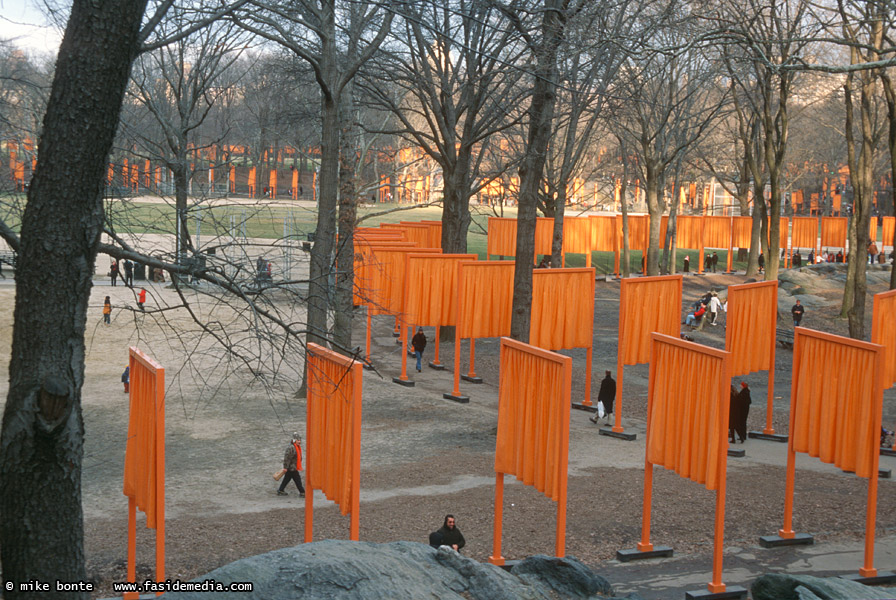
126	378
797	311
715	305
141	299
687	264
107	311
742	404
419	344
715	261
606	395
113	272
872	252
761	262
128	273
292	462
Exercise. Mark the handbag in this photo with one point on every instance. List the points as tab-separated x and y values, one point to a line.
601	411
279	474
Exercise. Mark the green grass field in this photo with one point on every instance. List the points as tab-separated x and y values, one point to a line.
262	221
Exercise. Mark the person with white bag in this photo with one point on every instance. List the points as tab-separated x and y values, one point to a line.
605	398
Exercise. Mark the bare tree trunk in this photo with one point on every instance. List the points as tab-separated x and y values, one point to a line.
325	232
541	113
557	239
890	94
655	209
348	216
626	251
456	204
41	532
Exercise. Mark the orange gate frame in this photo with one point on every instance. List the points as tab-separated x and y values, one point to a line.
636	326
333	431
429	280
687	426
835	415
604	237
883	332
750	334
717	234
689	234
577	238
144	463
572	306
533	430
484	304
834	231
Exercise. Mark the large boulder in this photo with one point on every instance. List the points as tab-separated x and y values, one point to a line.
777	586
398	570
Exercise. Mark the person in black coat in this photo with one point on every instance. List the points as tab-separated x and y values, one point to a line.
448	535
742	411
606	395
419	344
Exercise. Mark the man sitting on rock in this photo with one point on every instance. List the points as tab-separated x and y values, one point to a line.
448	535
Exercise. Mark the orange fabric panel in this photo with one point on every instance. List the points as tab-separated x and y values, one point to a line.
501	237
833	231
435	233
544	234
742	232
562	308
834	410
750	326
484	298
689	232
365	260
872	229
647	305
783	233
386	274
888	228
883	332
334	385
603	233
805	232
533	416
688	406
416	232
146	423
576	235
638	231
716	232
431	283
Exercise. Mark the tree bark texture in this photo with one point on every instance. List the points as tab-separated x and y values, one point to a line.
541	113
41	449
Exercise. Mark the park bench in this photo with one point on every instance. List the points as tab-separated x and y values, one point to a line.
784	337
8	258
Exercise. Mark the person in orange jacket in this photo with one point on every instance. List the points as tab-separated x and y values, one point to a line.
141	299
107	311
292	462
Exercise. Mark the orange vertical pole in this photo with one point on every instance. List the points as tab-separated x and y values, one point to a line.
354	533
309	471
132	546
617	407
786	530
456	391
404	354
472	372
731	250
868	569
644	545
435	359
588	360
716	586
496	558
368	335
160	477
560	543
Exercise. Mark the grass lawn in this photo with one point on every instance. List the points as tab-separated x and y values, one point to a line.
262	221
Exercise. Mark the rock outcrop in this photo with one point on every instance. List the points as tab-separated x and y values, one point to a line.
400	570
805	587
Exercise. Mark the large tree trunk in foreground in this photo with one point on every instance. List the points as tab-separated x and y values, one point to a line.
42	534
